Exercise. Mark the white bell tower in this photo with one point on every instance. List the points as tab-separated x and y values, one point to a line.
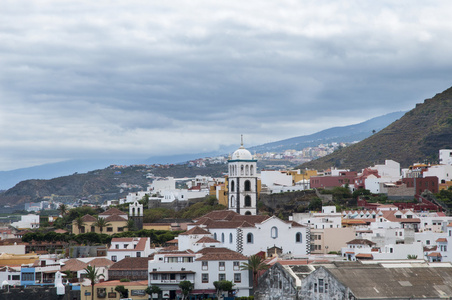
242	190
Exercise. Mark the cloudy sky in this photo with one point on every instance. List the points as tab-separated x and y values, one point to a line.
133	79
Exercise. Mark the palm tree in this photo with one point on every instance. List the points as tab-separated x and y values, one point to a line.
101	223
63	209
255	264
91	274
79	222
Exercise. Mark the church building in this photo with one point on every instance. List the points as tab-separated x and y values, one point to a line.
242	191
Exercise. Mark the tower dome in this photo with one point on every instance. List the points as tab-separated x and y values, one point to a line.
242	154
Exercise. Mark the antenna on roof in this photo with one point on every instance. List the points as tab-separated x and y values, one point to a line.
241	136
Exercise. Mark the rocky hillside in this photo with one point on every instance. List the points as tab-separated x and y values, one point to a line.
416	137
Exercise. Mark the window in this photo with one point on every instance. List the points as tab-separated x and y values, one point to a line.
125	246
232	201
298	237
274	232
205	265
230	238
215	236
138	254
93	229
109	229
249	238
117	246
205	278
237	277
28	276
155	276
236	265
120	229
221	265
247	185
164	276
222	237
221	276
16	277
321	286
114	258
247	200
232	186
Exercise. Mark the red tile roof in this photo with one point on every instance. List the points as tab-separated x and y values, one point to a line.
195	230
112	211
207	239
220	254
441	240
132	263
89	218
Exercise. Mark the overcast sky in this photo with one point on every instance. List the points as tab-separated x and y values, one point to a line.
133	79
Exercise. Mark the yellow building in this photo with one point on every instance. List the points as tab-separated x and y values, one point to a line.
445	186
116	224
298	175
17	259
106	290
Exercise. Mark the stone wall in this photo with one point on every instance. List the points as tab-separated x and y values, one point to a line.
37	293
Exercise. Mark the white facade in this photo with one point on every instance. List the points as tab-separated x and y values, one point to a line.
129	247
271	178
159	185
445	156
168	270
28	221
443	172
242	190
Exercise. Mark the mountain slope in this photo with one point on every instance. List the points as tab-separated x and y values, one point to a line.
417	136
350	133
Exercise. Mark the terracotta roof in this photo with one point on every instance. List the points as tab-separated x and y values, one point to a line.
196	230
60	231
220	254
364	255
112	211
173	241
115	218
434	254
229	224
121	240
101	262
131	263
74	265
360	242
88	218
220	215
207	239
441	240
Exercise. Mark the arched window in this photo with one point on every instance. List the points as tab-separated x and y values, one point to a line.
274	232
247	200
248	213
215	236
298	237
247	185
232	201
222	237
241	170
247	170
230	238
232	186
249	238
251	170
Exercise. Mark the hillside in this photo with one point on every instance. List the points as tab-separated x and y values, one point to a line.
345	134
415	137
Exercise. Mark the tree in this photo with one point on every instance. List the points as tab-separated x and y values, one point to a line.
101	223
131	225
255	264
79	223
154	289
186	287
222	286
62	209
91	274
122	291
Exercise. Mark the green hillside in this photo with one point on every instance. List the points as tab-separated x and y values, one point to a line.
416	137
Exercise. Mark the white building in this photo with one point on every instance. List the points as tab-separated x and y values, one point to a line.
242	192
445	156
251	234
27	221
202	268
129	247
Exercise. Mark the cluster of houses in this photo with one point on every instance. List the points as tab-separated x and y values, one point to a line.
379	251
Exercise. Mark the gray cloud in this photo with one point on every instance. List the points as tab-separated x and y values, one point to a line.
142	78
